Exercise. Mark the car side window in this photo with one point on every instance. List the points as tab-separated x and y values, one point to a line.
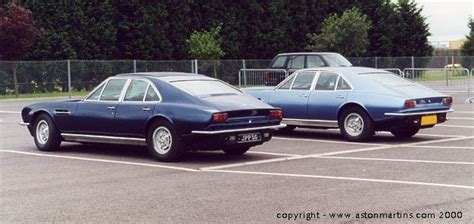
287	84
279	62
314	61
151	95
303	81
296	62
96	94
343	85
113	89
136	91
326	81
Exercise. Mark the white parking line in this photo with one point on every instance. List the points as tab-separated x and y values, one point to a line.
272	153
463	112
455	126
441	147
99	160
442	136
346	178
265	161
328	141
396	160
461	118
9	112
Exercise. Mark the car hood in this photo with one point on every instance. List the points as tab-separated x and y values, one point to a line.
235	102
414	91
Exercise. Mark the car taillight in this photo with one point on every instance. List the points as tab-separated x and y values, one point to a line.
448	101
410	103
278	114
219	117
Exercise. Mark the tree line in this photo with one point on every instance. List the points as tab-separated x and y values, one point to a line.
252	29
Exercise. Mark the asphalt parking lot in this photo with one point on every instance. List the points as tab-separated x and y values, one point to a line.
308	171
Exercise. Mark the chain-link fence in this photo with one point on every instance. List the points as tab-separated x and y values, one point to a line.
47	78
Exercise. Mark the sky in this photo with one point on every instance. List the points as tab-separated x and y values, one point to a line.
447	19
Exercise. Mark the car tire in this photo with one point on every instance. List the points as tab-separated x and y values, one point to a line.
46	135
236	151
405	132
355	124
163	142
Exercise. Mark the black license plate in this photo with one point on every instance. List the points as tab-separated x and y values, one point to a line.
249	137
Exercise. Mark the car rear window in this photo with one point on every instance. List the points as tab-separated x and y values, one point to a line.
387	79
205	88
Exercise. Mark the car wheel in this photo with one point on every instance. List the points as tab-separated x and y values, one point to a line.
405	132
163	142
46	135
236	151
355	124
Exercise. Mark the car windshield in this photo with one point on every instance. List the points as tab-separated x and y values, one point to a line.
205	88
387	79
337	60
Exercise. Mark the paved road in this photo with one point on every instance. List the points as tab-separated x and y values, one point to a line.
308	171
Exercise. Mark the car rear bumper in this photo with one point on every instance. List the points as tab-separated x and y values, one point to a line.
214	132
419	113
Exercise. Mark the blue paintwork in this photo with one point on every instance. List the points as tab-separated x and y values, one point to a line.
184	111
375	98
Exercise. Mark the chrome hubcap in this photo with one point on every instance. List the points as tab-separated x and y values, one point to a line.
162	140
354	124
42	132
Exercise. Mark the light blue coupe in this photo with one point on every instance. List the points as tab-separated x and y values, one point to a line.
357	100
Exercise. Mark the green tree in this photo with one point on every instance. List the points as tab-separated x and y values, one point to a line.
206	45
467	47
412	31
346	34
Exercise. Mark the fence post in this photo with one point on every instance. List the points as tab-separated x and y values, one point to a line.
196	66
15	79
135	66
243	67
192	66
69	78
376	66
446	63
240	80
413	67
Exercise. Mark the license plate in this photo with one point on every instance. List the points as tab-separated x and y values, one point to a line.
249	137
429	120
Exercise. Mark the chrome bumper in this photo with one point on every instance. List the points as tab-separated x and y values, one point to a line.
239	130
24	123
420	113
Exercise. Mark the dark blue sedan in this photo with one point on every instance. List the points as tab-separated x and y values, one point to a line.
357	100
168	112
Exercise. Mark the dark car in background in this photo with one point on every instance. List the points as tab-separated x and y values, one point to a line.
168	112
291	62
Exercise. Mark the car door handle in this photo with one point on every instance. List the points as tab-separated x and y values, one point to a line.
340	96
111	107
304	95
146	109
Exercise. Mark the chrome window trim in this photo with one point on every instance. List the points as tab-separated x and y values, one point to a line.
337	81
277	87
143	100
93	90
312	81
127	80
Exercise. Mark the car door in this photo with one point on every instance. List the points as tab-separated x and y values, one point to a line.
329	93
292	96
136	108
95	114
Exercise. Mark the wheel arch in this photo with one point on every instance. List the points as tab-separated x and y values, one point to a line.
153	119
352	104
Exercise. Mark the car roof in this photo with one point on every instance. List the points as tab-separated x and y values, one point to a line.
305	53
346	70
168	76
